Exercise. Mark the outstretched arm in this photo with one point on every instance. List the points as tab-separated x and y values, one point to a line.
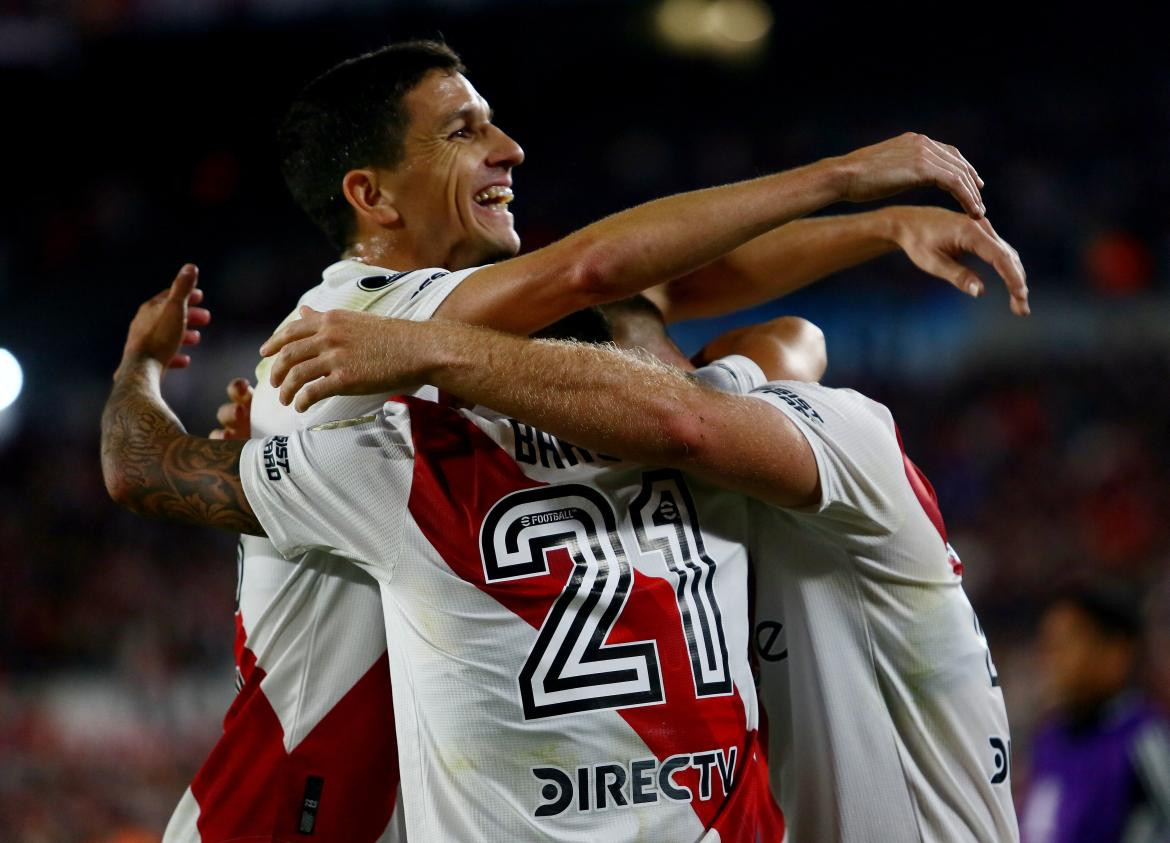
667	238
795	255
149	462
598	397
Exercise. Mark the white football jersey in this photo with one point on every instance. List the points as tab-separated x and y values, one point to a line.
885	718
569	632
309	744
733	373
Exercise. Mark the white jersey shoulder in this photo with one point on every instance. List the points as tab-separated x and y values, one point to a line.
858	456
353	285
346	485
733	373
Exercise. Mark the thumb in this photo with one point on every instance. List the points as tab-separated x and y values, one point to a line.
184	282
307	311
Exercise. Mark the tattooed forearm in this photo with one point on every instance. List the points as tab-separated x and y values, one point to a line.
154	468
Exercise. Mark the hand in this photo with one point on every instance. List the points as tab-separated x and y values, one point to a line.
907	161
167	322
342	352
235	417
934	239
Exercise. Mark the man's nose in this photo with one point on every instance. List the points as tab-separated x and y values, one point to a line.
504	151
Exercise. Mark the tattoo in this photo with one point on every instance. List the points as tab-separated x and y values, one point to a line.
154	468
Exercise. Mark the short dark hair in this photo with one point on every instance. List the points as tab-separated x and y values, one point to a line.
348	117
587	325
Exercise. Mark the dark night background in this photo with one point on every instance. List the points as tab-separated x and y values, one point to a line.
138	135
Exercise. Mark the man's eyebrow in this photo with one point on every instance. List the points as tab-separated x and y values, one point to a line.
464	113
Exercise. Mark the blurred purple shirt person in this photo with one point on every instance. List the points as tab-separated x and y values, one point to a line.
1101	764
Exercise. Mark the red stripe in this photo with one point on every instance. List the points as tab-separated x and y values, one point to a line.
250	787
751	815
924	491
245	658
231	785
460	473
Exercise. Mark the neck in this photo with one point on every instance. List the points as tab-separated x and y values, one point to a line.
384	250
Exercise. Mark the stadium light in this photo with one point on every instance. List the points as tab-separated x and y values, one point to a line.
741	22
726	28
11	378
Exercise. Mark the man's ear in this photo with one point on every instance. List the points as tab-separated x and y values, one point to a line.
367	192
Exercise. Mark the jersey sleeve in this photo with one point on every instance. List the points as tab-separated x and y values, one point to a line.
859	460
733	373
414	295
341	487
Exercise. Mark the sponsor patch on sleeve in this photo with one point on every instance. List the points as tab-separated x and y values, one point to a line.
792	400
276	457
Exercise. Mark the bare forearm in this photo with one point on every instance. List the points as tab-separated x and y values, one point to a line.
663	240
676	235
152	467
776	263
632	407
635	249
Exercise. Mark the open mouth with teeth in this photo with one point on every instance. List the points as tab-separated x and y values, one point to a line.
495	197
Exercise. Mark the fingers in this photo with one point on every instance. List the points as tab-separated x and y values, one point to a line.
964	171
191	337
184	282
230	415
953	176
240	391
197	317
319	389
300	375
1006	261
234	417
942	265
179	361
225	416
945	178
289	356
298	329
970	169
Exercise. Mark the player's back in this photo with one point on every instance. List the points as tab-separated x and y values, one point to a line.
309	743
885	717
569	631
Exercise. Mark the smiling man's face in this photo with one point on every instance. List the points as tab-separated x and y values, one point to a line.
454	182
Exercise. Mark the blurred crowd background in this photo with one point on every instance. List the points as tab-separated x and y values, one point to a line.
138	135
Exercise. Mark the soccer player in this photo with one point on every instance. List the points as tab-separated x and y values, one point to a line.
887	721
416	200
570	630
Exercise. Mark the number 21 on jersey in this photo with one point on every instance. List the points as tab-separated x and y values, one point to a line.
570	667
